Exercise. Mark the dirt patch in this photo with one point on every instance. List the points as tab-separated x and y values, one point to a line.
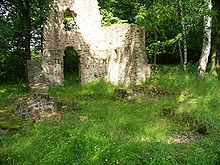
167	112
181	139
141	92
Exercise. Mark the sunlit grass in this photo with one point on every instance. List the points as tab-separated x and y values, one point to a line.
107	130
9	91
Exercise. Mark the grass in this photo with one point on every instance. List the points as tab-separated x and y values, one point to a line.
107	130
7	121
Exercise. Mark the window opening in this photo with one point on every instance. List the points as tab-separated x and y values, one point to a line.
69	21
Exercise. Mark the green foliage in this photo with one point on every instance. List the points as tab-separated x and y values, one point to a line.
11	52
158	47
162	20
69	21
35	54
108	18
105	130
12	39
162	23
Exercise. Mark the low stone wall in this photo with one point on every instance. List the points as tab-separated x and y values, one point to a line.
40	106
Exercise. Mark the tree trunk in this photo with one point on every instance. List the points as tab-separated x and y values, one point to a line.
184	35
218	58
214	62
215	53
27	29
155	55
180	53
26	18
206	43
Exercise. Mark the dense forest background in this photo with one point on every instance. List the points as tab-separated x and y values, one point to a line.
175	30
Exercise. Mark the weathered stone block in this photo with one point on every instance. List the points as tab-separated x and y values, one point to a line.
37	81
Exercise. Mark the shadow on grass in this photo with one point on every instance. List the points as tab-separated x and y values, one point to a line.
111	131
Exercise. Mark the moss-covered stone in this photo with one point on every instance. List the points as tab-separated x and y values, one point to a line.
8	120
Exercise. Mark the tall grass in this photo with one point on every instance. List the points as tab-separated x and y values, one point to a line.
107	130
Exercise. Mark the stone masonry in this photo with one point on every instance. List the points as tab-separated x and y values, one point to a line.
115	53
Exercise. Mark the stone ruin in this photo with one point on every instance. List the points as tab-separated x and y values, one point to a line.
41	106
115	53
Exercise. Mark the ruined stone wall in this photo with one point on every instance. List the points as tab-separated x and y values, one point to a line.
116	53
128	63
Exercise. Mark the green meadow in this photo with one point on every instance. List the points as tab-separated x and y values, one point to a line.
101	128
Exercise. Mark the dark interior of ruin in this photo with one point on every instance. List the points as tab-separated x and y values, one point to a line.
71	65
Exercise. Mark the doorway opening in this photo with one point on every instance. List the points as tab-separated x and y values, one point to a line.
71	66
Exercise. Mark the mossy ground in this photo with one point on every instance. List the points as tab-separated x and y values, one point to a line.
7	120
103	129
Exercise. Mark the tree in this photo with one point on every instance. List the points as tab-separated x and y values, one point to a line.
11	49
183	58
24	17
206	42
215	39
32	14
215	53
162	26
124	9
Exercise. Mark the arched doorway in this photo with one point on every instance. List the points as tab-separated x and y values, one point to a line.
71	66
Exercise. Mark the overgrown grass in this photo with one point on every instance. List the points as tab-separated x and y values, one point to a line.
107	130
10	91
7	121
